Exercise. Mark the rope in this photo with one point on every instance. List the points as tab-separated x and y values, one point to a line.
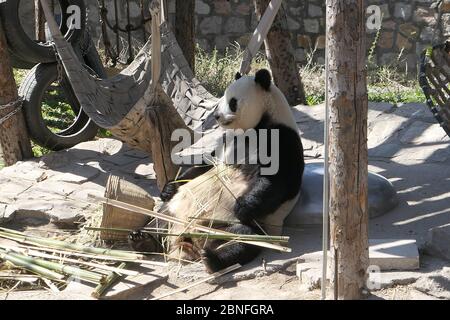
259	35
16	104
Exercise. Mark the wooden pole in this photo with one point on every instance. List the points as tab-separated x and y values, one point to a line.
39	21
280	54
185	29
347	100
14	140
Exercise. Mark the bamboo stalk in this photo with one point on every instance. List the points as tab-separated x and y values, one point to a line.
136	209
110	280
247	237
61	268
31	267
213	276
64	259
99	257
6	233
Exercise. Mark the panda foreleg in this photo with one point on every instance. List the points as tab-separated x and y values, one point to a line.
264	197
171	187
218	254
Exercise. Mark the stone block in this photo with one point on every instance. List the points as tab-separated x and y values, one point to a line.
394	254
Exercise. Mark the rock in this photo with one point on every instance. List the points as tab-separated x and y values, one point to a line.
235	25
409	30
314	11
222	7
427	34
425	16
211	25
445	23
438	243
243	9
308	210
311	25
304	41
403	43
201	7
320	42
403	10
386	40
421	132
292	24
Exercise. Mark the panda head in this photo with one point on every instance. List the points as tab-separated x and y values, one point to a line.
245	101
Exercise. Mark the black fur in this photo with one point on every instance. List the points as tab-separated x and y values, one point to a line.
143	242
265	195
171	187
268	192
263	78
237	76
216	259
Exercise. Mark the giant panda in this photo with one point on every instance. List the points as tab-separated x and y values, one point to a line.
237	198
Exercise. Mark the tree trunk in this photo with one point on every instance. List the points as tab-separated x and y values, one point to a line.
39	21
185	29
281	57
13	133
347	98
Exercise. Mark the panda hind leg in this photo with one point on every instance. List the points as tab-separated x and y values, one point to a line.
217	258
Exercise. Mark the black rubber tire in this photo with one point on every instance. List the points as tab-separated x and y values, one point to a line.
28	49
32	90
18	63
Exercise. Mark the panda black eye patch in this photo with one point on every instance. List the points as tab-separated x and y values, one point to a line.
233	104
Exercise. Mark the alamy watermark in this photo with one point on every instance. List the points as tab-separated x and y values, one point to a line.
236	147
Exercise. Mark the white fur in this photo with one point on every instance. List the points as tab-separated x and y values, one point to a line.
253	101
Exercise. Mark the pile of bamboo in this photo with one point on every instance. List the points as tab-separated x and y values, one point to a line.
61	262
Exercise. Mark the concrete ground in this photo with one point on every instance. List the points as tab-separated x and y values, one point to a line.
405	145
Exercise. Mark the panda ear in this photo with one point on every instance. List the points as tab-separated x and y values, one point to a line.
237	76
263	78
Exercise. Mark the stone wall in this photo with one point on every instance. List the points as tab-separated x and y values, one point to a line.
407	26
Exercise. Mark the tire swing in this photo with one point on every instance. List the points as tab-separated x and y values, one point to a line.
44	103
32	51
53	115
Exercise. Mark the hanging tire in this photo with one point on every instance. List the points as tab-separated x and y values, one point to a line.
53	122
18	63
28	49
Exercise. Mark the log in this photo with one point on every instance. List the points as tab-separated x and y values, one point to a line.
185	29
280	54
347	100
14	139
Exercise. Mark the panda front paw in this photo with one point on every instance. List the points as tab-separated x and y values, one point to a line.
243	211
211	260
142	241
169	191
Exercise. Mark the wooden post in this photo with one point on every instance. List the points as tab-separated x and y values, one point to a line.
39	21
281	56
347	100
185	29
14	139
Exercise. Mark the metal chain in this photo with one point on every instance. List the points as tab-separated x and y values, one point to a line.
17	104
59	66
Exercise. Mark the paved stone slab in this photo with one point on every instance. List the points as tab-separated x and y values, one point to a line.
439	241
393	254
